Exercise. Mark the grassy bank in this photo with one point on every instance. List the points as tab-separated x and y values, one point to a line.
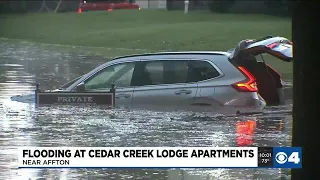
127	32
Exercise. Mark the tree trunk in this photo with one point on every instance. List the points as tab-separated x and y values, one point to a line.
44	6
58	5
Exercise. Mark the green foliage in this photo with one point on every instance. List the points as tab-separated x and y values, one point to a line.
280	7
271	7
220	6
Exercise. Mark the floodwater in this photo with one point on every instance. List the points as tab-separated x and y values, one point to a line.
23	64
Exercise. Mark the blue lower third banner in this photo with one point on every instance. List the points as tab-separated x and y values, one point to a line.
160	157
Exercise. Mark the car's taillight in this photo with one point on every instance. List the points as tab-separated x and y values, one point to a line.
272	45
248	85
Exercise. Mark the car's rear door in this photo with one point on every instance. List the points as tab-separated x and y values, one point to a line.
279	47
163	84
211	88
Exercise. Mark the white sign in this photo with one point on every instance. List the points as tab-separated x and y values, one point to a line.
137	157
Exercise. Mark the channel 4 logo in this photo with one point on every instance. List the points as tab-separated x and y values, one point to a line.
287	157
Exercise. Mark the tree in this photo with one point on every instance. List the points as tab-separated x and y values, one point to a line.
220	6
46	8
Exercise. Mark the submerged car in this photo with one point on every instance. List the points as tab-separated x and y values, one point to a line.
192	79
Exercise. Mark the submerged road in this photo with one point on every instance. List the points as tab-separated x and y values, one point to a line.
22	64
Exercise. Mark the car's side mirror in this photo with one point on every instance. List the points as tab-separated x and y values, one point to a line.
80	88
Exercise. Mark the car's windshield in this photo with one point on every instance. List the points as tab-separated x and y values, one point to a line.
65	86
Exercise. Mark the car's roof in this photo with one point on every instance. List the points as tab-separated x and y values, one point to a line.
125	58
175	53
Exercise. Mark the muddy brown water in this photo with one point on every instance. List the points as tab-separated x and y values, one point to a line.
21	65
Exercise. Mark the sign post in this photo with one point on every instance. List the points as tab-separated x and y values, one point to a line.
75	98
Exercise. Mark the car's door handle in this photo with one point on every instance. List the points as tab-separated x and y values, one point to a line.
123	96
184	91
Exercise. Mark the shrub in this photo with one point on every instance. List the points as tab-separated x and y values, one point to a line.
220	6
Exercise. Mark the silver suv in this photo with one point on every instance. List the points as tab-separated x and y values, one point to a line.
200	79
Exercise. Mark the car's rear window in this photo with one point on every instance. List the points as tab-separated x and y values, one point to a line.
202	70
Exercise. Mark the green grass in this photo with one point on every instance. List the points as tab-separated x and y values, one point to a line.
131	31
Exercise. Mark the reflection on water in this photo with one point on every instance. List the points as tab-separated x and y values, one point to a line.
21	65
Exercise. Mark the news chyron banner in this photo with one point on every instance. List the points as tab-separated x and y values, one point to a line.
160	157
